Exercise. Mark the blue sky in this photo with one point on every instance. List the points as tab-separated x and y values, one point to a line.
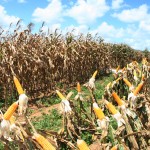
117	21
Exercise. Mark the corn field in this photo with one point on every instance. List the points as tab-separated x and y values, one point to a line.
120	120
43	61
33	65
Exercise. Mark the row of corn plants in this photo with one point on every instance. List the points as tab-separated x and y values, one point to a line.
120	120
44	60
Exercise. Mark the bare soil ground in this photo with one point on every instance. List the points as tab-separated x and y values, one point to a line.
38	112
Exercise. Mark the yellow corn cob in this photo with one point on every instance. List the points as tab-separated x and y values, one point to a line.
61	131
138	88
98	112
18	86
117	98
144	61
10	111
46	145
124	69
134	72
127	66
139	71
12	120
143	77
127	82
78	87
115	76
82	145
118	79
114	147
111	108
60	95
117	68
94	75
108	85
135	62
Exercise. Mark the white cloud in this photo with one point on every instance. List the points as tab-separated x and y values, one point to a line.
87	11
116	4
51	14
133	15
6	19
138	43
83	11
21	1
76	30
108	32
145	25
134	36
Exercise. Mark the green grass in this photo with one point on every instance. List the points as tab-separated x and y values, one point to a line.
48	101
1	146
51	121
101	84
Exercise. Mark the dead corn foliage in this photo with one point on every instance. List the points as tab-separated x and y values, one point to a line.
44	61
120	120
